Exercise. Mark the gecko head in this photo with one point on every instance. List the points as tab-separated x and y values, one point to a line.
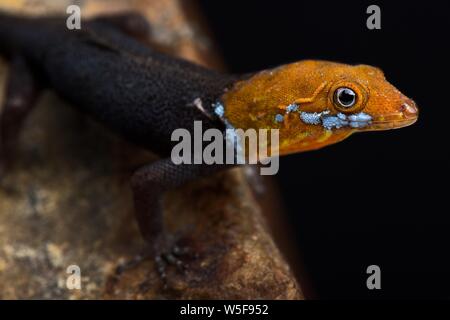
317	103
368	101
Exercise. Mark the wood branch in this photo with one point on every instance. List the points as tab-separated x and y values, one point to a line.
67	201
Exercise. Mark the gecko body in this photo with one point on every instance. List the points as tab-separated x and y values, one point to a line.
107	72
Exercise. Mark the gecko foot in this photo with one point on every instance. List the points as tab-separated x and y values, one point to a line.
163	259
165	252
168	253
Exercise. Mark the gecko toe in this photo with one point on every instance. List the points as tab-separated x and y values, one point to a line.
171	256
164	253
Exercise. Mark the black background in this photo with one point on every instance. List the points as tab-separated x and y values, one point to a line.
376	198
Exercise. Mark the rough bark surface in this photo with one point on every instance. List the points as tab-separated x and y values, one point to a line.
67	201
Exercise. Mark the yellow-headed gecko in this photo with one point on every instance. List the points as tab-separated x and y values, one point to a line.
105	71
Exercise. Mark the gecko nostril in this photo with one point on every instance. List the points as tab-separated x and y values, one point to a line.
409	109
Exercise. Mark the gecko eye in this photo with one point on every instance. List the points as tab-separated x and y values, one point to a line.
345	97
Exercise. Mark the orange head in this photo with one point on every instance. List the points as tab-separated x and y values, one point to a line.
317	103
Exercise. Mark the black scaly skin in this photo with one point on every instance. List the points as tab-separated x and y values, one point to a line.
136	91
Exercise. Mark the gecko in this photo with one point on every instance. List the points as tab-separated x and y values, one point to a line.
108	71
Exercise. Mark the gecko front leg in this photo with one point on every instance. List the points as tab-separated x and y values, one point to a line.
21	94
149	185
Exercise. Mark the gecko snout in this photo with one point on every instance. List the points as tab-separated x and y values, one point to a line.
404	115
409	110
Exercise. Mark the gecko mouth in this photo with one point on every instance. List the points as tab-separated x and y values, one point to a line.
407	116
390	124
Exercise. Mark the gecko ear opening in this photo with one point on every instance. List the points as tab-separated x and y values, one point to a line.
348	97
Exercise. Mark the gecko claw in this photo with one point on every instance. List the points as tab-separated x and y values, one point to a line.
171	255
162	261
164	253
